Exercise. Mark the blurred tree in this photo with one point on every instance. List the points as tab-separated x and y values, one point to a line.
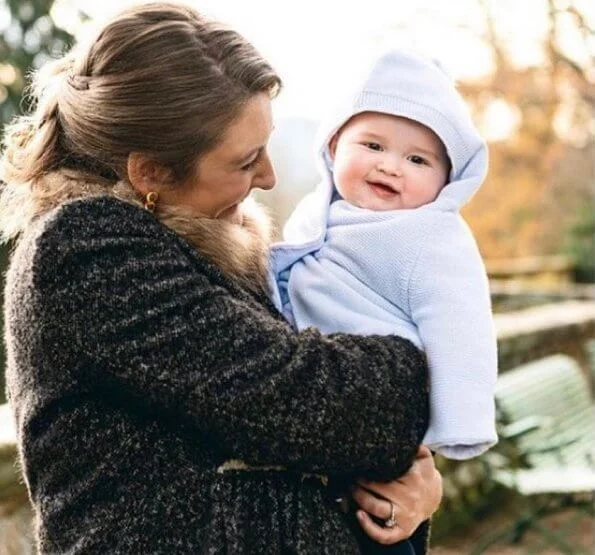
543	173
580	244
29	38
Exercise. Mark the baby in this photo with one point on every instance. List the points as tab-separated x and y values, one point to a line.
380	247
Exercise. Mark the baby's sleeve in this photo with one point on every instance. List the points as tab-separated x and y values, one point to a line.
449	302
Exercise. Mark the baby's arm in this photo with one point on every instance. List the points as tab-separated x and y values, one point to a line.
450	303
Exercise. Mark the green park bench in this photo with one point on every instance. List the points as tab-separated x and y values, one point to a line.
546	454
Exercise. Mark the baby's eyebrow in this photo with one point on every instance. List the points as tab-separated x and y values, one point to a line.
371	136
429	153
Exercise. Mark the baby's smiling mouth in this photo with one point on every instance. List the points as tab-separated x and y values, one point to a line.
382	189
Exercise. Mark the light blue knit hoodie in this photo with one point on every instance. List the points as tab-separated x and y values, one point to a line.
417	272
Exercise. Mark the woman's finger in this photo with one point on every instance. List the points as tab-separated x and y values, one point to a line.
382	535
390	490
423	453
424	463
380	508
406	518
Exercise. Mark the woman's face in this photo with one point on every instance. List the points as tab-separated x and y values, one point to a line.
225	176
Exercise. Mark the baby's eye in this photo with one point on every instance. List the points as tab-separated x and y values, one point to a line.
417	160
374	146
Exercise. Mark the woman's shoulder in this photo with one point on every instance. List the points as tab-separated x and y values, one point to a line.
98	217
103	223
92	237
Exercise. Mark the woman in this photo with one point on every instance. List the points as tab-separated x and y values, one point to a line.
162	404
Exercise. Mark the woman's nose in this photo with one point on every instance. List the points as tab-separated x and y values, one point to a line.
266	178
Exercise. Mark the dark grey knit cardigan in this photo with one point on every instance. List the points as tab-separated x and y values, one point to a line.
135	369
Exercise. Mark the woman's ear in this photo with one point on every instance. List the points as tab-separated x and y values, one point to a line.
145	174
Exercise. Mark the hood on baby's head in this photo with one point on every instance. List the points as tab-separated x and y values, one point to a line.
412	86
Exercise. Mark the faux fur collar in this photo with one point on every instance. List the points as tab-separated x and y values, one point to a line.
240	251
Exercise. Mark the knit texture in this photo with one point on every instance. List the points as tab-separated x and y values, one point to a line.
416	273
136	368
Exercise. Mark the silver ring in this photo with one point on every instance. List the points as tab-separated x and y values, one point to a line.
391	522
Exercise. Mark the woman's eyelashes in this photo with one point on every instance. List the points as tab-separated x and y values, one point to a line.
251	164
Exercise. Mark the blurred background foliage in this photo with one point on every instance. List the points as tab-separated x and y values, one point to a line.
29	38
540	194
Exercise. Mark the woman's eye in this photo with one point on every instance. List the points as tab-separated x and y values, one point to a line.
417	160
250	164
374	146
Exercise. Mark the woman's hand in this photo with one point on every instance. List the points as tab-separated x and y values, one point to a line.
414	498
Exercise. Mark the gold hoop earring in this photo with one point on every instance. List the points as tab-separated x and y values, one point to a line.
151	201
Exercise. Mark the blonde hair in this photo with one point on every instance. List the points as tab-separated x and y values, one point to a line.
159	79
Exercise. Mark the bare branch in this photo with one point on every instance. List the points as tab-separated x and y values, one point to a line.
500	55
581	20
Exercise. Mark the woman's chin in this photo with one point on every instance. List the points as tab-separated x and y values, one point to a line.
233	214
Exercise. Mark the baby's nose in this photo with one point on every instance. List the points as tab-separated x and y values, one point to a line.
391	166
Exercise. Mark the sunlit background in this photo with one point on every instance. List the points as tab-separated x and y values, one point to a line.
527	71
526	68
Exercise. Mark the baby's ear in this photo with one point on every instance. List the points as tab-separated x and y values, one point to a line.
332	145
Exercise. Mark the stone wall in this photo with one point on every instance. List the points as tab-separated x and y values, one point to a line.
554	270
544	330
510	296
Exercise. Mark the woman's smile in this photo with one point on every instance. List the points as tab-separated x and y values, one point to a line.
232	214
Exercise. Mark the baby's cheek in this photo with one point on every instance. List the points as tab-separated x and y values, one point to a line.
354	173
349	184
341	177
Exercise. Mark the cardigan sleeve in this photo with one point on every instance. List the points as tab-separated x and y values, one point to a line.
450	304
151	319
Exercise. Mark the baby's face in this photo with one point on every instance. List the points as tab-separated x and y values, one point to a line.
384	162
